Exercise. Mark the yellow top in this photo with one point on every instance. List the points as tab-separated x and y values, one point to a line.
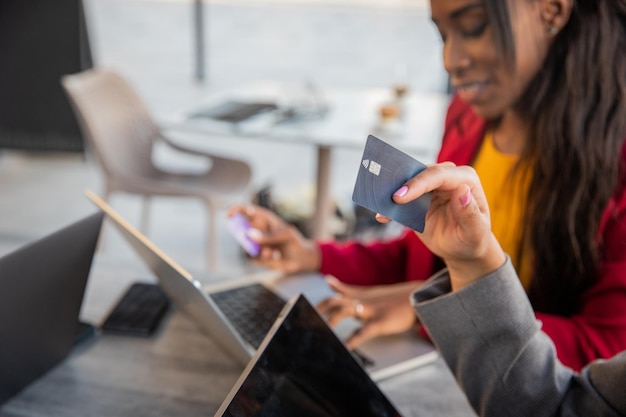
506	196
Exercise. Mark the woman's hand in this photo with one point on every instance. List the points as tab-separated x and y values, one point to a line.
282	246
382	309
458	226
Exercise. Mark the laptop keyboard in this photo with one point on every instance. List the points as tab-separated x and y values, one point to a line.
252	309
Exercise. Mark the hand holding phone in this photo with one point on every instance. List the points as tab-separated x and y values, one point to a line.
239	226
383	170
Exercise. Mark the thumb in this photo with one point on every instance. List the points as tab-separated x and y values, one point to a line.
272	237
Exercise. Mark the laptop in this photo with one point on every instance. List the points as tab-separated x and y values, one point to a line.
42	286
257	301
303	369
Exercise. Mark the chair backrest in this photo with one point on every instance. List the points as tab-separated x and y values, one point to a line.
114	120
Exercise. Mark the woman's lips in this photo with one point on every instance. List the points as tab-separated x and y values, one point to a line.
471	92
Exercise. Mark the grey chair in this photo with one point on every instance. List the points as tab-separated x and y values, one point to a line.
120	130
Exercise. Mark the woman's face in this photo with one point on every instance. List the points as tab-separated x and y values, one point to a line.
480	75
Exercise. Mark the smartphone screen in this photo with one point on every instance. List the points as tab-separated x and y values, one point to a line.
238	226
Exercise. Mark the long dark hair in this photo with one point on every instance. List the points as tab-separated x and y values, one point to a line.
576	106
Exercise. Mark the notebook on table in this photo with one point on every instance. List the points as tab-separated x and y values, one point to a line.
235	111
302	369
238	314
42	287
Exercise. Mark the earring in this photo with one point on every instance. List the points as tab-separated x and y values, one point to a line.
553	30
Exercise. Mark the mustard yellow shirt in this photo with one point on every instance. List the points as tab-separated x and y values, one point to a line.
506	195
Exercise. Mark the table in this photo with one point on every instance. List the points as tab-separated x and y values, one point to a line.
352	114
181	372
178	373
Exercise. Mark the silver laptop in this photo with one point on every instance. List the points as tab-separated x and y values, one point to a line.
260	297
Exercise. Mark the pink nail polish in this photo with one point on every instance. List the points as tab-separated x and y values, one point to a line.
466	198
401	192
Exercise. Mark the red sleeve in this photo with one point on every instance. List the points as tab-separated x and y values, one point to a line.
598	330
402	259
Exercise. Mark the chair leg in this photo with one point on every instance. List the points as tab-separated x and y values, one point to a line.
106	196
145	214
212	237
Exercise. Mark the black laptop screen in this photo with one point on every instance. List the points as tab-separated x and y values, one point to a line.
42	286
306	371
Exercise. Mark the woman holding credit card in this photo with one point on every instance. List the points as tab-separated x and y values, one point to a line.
478	303
540	114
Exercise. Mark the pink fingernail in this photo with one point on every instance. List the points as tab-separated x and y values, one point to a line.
401	191
466	198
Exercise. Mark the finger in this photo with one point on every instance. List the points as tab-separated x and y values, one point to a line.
347	290
335	309
266	254
382	219
368	331
257	216
445	164
443	177
275	237
264	263
330	305
472	220
326	305
270	262
341	313
236	209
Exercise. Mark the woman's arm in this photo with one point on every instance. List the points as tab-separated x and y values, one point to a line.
478	315
401	259
488	335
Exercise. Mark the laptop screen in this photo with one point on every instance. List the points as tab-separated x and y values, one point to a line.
42	286
303	369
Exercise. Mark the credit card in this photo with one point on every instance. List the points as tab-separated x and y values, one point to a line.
383	170
238	226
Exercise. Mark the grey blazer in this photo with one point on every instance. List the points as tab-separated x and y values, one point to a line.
489	337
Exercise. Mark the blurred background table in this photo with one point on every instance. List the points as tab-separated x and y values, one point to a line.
325	119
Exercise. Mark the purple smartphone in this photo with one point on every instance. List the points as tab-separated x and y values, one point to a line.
238	226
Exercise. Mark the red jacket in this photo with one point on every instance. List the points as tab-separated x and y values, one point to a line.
597	330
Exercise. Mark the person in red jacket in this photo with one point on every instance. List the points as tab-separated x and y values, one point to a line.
540	113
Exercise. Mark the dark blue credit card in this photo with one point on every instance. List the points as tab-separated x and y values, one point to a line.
382	171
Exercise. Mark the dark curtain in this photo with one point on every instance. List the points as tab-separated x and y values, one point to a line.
40	40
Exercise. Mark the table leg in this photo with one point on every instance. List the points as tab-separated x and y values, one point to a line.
199	38
321	216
